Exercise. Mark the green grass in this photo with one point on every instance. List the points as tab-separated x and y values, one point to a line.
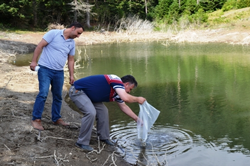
234	19
237	18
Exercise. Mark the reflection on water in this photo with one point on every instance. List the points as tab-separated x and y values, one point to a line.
201	90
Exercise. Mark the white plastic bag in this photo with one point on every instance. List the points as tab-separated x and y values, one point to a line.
148	115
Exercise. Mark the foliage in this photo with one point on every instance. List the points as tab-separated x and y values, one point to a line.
40	13
162	9
51	11
200	16
15	11
243	4
230	4
235	4
212	5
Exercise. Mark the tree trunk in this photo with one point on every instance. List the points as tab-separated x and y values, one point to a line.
179	3
75	13
129	5
146	8
197	2
58	18
34	4
88	16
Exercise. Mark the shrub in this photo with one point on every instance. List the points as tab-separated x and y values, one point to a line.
134	25
55	26
229	5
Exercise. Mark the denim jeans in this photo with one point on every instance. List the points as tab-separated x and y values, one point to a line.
47	77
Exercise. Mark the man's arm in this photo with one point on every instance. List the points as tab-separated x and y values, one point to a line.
71	69
129	98
123	106
37	52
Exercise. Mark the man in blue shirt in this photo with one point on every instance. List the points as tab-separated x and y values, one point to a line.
56	47
90	92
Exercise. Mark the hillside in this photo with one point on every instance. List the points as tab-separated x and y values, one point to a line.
233	19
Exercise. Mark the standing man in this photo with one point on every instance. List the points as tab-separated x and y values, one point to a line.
90	92
56	47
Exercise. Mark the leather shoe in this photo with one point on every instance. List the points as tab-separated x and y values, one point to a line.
84	147
37	124
108	142
61	122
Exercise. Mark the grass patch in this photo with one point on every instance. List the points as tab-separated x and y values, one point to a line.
233	18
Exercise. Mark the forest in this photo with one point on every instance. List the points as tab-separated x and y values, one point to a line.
37	14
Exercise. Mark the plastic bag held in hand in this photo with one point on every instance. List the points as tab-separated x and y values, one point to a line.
147	117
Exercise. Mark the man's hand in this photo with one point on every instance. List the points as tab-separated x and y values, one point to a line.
71	69
141	100
71	80
33	65
139	122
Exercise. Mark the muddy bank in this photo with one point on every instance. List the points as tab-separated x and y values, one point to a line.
20	143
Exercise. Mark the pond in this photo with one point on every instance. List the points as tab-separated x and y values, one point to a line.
201	91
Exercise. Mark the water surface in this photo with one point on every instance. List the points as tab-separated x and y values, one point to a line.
202	91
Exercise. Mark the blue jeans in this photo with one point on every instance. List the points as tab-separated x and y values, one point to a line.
47	77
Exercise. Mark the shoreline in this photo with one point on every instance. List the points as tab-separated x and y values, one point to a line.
19	87
220	35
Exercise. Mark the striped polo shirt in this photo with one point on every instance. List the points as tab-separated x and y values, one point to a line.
55	54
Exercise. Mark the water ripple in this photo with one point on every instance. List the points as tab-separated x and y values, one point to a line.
163	142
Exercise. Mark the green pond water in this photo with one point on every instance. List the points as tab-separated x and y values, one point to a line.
201	90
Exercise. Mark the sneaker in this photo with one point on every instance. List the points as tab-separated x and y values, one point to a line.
61	122
84	147
108	142
37	124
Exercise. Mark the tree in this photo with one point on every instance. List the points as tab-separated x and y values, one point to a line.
191	7
34	6
57	10
146	7
15	13
212	5
173	13
80	8
39	13
162	9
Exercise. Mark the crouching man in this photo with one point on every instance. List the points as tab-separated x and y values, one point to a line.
90	92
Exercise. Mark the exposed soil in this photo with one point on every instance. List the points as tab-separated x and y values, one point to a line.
21	145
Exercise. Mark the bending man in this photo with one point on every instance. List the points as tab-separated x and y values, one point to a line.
56	47
90	92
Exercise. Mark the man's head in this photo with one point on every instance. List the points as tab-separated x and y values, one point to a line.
129	83
76	30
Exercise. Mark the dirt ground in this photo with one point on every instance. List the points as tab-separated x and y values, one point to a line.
21	145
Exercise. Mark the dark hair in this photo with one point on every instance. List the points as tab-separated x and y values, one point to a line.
130	79
77	25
